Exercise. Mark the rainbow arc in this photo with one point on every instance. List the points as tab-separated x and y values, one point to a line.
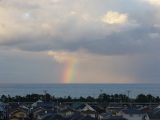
69	74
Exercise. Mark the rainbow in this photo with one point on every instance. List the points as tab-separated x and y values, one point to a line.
69	73
69	61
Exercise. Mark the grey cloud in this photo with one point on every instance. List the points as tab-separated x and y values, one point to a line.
28	67
74	34
134	41
145	68
70	32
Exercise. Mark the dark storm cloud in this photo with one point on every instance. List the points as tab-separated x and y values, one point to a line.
134	41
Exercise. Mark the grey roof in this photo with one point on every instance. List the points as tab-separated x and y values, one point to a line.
98	109
76	116
115	118
78	105
53	117
154	115
87	118
132	111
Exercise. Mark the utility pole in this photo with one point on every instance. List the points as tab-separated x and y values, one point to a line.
45	93
129	100
101	91
128	91
128	94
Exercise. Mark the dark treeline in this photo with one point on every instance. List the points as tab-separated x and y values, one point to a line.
101	98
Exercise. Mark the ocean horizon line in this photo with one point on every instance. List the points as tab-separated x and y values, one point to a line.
79	83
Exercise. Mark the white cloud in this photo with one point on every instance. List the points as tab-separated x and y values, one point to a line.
154	2
55	1
112	17
62	56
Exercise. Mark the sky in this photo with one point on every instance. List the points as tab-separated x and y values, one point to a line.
79	41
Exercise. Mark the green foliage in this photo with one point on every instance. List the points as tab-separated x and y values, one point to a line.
146	98
102	98
112	98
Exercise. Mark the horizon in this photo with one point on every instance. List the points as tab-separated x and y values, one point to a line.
79	83
80	42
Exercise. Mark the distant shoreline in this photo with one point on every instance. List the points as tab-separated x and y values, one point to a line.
79	83
103	97
77	90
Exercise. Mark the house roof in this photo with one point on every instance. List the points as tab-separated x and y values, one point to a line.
53	117
88	112
98	109
155	113
77	105
17	111
106	115
115	118
36	103
43	104
87	118
76	116
154	116
132	111
68	109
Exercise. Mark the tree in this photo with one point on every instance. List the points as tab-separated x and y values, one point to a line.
141	98
4	98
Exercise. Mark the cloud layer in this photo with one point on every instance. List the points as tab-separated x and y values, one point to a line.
108	37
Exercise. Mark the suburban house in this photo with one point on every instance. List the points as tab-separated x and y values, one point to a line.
3	111
19	114
87	110
132	114
154	114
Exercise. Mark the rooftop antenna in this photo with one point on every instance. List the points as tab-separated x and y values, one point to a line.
101	91
45	91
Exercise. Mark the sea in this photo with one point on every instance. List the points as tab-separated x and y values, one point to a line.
77	90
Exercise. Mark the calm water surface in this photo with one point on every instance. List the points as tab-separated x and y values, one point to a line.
77	90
